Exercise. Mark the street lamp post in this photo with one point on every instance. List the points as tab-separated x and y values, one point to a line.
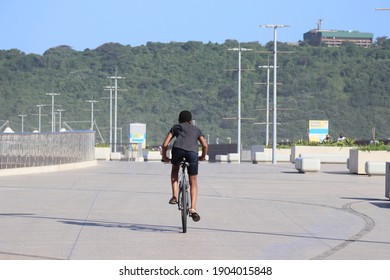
60	118
239	49
274	109
267	105
110	126
92	102
115	78
53	125
40	117
22	116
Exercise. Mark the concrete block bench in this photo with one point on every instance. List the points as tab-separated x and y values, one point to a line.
233	157
221	158
102	153
375	167
307	164
152	156
327	158
261	157
116	156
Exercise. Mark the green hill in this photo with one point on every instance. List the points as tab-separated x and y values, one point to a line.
348	86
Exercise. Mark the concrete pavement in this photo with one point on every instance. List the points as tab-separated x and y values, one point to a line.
119	210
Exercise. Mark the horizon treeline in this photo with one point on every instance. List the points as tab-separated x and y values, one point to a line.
348	86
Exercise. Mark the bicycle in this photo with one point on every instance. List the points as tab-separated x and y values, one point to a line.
183	198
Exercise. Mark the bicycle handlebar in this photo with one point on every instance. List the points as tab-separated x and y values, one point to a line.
169	160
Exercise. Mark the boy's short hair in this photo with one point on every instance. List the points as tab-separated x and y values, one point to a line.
185	116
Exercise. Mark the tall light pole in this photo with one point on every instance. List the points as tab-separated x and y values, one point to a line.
115	78
239	49
267	105
22	116
53	125
274	109
40	117
60	118
110	126
92	102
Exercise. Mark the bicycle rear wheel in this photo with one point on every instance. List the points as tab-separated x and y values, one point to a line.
184	205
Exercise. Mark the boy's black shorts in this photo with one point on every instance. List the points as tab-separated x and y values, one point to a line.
178	155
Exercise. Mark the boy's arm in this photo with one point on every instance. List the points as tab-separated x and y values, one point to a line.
203	142
164	147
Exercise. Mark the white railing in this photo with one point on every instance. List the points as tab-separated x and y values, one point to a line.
39	149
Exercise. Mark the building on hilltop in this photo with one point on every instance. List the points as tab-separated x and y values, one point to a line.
335	38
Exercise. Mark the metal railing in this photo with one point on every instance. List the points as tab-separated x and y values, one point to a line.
40	149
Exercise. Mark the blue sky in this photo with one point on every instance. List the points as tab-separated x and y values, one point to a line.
33	26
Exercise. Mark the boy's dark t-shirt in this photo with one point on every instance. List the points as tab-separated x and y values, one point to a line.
187	136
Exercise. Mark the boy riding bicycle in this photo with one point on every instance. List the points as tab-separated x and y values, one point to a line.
185	147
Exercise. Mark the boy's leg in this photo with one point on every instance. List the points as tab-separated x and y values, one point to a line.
194	195
193	159
193	190
174	181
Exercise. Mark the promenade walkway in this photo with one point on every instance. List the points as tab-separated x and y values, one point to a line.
119	210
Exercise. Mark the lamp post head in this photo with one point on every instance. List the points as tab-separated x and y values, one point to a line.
274	25
267	66
239	49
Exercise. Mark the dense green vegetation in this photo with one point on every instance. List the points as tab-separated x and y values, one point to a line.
348	86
